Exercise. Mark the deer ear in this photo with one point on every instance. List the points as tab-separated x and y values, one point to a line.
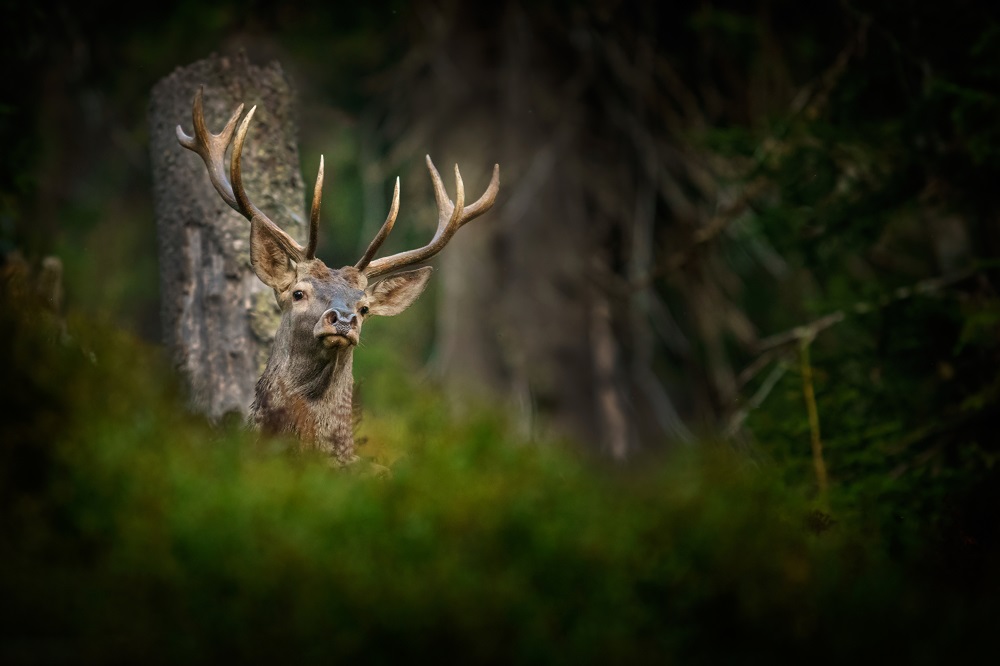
395	293
269	258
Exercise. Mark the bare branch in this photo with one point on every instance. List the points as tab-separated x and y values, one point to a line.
812	329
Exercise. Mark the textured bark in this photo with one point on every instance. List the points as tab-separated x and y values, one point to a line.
218	318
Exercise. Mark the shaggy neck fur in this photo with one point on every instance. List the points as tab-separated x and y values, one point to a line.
309	396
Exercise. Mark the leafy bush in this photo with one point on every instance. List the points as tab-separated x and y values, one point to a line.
135	531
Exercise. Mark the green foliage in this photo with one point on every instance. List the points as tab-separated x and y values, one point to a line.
135	531
869	183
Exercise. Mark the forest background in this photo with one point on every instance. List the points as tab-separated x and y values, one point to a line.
734	317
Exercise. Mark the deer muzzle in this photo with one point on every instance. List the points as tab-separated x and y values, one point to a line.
337	328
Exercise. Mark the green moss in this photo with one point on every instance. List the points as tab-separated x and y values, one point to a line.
264	319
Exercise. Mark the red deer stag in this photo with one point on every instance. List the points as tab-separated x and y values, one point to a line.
307	385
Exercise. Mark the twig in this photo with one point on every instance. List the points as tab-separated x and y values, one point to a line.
756	366
777	372
812	329
809	394
719	222
773	346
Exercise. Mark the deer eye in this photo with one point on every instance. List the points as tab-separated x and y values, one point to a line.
298	294
363	309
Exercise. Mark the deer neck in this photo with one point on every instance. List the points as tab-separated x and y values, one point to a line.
312	400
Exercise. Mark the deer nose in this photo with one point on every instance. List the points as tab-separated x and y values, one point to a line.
335	316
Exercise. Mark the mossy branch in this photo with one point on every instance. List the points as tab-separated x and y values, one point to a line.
812	411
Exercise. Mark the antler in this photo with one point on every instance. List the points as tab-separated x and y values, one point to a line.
212	149
383	232
451	216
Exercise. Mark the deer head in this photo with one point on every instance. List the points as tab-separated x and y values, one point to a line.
306	388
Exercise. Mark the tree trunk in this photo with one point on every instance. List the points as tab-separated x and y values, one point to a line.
514	320
218	318
539	308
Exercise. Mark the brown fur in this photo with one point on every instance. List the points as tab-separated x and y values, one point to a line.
306	389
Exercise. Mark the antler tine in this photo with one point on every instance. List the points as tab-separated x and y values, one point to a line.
467	213
314	214
212	147
455	219
448	212
451	217
236	171
440	193
246	207
383	233
485	202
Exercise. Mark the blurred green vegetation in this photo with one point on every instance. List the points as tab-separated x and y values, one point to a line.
133	531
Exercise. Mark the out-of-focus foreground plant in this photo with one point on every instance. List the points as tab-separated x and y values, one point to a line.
134	531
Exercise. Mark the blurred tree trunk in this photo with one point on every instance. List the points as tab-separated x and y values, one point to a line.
218	318
536	307
514	318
